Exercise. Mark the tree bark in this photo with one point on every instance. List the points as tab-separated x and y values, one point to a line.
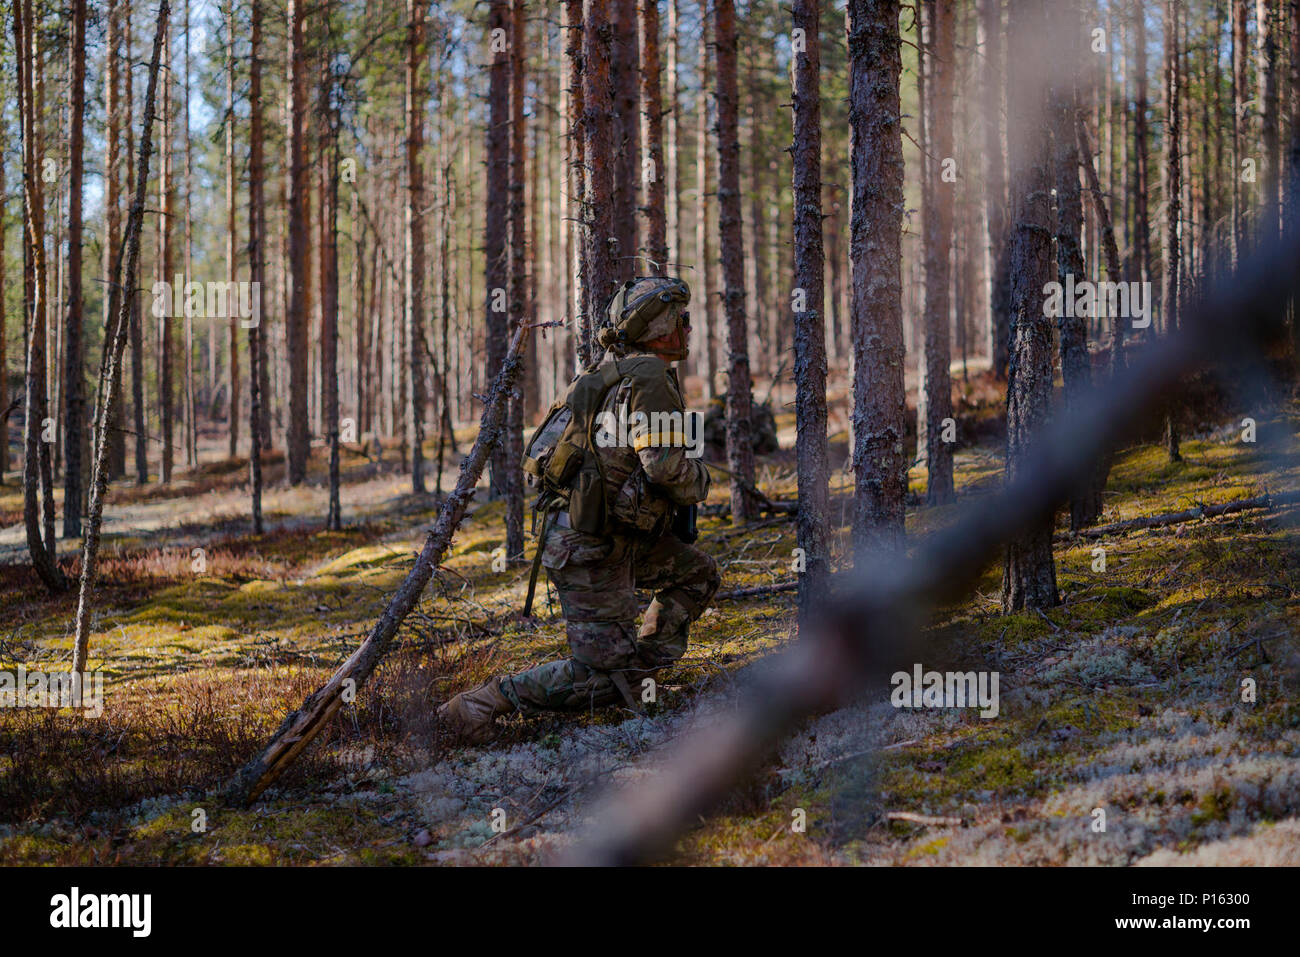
497	212
879	460
329	289
298	443
166	212
598	148
37	481
232	240
652	139
74	380
625	121
995	190
521	307
1029	572
256	265
1171	265
936	385
740	442
414	300
812	459
706	356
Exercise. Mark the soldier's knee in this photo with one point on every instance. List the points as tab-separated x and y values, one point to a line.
603	645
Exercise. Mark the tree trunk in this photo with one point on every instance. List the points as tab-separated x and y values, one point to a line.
704	191
166	212
521	308
298	442
415	268
1029	574
1171	264
231	239
1240	12
652	139
1268	21
995	191
879	460
576	178
256	264
936	385
598	149
1076	364
191	423
1142	236
329	287
112	212
131	290
740	442
625	121
496	221
74	380
109	370
676	223
36	452
809	297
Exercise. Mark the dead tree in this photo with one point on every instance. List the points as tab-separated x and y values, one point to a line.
301	726
110	368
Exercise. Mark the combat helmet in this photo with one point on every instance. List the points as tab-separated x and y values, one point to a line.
642	309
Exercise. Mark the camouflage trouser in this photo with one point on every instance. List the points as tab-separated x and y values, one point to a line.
596	578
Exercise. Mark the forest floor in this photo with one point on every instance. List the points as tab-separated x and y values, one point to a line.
1125	698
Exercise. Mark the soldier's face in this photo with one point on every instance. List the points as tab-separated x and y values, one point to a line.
675	346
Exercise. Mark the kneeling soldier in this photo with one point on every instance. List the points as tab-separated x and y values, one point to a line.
608	508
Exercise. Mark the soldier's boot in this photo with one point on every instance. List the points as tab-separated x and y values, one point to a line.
471	715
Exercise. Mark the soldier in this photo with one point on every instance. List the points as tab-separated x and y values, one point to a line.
612	529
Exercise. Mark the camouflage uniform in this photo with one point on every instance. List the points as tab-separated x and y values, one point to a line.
597	576
641	482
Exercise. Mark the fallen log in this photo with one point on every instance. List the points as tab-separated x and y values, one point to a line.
1188	515
757	591
301	726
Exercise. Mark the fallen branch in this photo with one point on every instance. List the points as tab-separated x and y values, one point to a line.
758	591
302	725
927	820
1189	515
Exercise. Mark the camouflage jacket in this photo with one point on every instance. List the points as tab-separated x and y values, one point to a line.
649	449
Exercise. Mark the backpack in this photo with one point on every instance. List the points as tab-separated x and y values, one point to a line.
560	459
